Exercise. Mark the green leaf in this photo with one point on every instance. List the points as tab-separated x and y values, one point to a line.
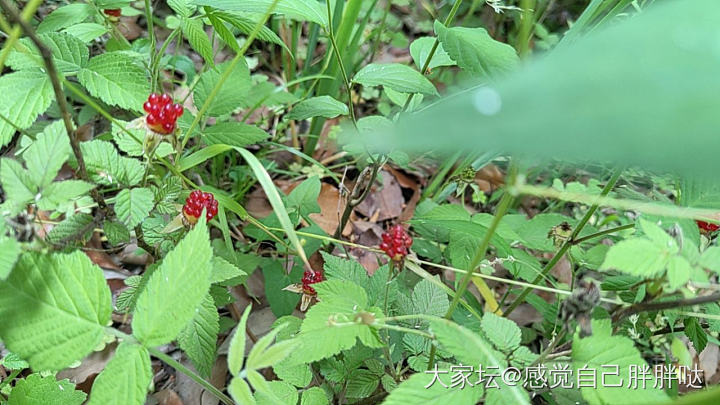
35	389
46	155
12	361
230	95
106	166
116	233
429	299
599	351
276	278
314	396
132	206
247	26
323	106
395	76
78	227
194	31
261	356
340	302
420	50
470	348
710	259
278	390
658	235
64	17
678	272
116	79
174	290
26	94
224	32
126	378
17	184
502	332
696	333
636	256
236	352
86	32
414	391
224	271
71	307
240	391
199	337
9	253
301	10
182	8
303	198
474	50
298	375
236	134
362	383
69	53
62	192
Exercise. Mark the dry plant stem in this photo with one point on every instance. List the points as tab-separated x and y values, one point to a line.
46	54
566	246
657	306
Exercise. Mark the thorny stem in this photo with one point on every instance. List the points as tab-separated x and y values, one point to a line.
201	381
565	246
657	306
47	57
354	199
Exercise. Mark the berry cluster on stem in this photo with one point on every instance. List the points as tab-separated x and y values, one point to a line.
162	114
195	203
310	278
113	12
706	226
396	243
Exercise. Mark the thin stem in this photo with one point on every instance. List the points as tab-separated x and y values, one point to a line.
434	48
381	28
151	34
566	246
47	57
402	329
9	378
603	233
657	306
179	367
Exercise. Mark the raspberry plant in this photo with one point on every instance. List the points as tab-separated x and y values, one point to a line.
302	129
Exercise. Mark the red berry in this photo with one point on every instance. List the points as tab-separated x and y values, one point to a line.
196	201
152	119
165	99
168	127
706	226
147	107
310	278
178	109
153	98
113	12
396	242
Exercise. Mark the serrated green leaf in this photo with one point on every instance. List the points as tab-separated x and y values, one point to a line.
78	227
46	155
17	184
71	307
301	10
199	338
86	32
69	53
362	383
174	290
710	259
476	51
194	31
502	332
637	256
414	391
678	271
26	94
259	359
116	79
279	393
116	233
61	192
132	147
340	302
247	26
598	352
314	396
183	8
303	198
106	166
420	50
236	352
12	361
64	17
132	206
395	76
224	32
429	299
35	389
231	94
322	106
240	391
298	375
234	134
223	271
126	378
696	333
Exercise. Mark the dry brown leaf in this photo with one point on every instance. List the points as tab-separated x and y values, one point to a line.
168	397
386	202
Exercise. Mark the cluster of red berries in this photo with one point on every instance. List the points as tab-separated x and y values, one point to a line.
162	113
706	226
396	242
310	278
112	12
195	203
